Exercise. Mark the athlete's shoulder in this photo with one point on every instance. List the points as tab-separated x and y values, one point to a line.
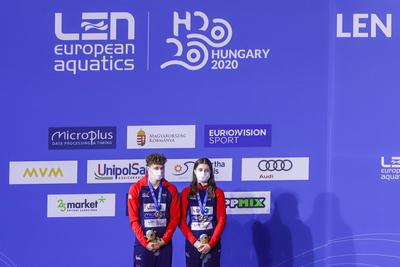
171	188
138	185
185	191
219	192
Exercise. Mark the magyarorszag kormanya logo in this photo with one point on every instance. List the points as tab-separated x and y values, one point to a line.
199	41
256	202
81	205
390	168
97	41
82	137
250	135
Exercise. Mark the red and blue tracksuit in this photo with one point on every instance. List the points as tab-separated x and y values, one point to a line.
212	226
142	218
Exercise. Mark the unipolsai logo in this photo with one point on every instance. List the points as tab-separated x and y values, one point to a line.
197	39
101	41
390	168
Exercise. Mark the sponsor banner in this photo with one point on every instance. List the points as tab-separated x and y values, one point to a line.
181	170
251	135
43	172
257	202
161	136
115	171
390	169
81	205
269	169
82	137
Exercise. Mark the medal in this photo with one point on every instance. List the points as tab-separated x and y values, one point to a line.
158	214
203	239
202	218
203	209
157	201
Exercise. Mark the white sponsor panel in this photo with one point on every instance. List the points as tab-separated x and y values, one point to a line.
161	136
198	226
275	169
181	170
256	202
155	223
115	171
195	210
150	207
81	205
43	172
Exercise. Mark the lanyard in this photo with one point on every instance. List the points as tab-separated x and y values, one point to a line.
157	202
202	206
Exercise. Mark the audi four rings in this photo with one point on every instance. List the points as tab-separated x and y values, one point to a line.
275	165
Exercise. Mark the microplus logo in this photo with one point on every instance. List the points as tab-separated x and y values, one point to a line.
237	135
82	137
104	43
195	45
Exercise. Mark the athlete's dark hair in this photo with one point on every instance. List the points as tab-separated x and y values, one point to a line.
157	159
211	181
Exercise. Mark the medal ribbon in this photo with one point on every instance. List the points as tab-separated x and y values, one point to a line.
157	202
203	209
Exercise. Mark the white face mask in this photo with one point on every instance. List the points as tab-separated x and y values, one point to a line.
155	175
202	176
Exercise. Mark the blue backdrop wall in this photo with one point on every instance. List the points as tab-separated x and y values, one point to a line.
313	70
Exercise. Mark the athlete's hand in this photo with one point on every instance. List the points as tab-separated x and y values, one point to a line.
151	246
160	242
197	244
204	248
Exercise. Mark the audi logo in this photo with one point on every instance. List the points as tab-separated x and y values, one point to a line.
275	165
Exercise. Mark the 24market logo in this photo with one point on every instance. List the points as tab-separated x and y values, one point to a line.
195	46
80	206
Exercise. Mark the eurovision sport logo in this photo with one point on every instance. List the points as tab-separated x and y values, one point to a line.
258	202
82	137
273	169
199	41
390	168
251	135
161	136
115	171
81	205
43	172
181	170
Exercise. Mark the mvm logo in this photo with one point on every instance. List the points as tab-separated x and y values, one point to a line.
43	172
